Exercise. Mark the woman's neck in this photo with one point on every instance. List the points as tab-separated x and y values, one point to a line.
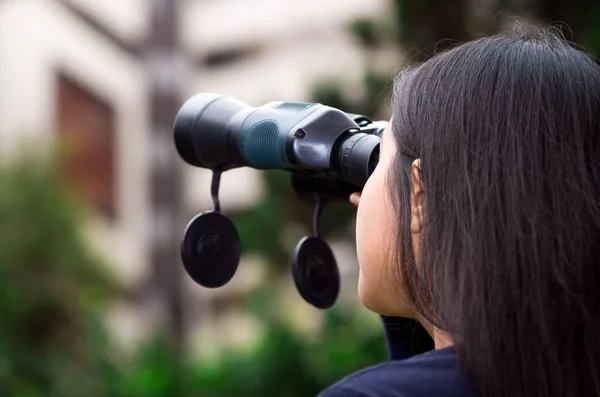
440	338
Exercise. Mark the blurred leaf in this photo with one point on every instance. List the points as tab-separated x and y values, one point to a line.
366	31
330	93
592	40
52	286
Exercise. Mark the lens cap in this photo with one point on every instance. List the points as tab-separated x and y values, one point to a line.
315	272
210	249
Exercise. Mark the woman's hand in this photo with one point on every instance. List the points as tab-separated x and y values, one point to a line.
355	198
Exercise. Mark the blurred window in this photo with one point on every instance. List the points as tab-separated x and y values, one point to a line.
87	128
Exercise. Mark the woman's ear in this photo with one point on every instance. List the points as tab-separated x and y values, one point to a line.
417	201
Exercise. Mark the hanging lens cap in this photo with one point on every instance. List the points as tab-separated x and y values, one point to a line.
315	272
210	249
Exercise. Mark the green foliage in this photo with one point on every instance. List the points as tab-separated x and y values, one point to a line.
330	93
262	227
287	363
154	371
52	287
53	343
284	362
593	31
377	93
365	30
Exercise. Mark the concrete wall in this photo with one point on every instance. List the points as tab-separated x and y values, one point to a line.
38	38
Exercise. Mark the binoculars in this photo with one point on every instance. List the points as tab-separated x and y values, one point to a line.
329	154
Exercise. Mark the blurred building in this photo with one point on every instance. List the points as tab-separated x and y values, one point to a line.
77	69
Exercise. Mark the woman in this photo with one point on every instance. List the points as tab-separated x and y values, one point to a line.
482	222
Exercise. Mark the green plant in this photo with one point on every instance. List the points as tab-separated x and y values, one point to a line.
52	290
288	363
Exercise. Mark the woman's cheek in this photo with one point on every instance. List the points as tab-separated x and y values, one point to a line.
370	240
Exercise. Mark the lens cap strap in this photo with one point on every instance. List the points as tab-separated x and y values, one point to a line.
321	202
211	246
214	189
314	267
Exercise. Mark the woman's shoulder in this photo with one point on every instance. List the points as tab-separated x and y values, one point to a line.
435	373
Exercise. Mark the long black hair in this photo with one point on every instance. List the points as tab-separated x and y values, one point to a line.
508	132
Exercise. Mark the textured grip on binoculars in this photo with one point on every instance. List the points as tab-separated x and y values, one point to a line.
259	145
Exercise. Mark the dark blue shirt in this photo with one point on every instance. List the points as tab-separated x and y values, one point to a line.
433	373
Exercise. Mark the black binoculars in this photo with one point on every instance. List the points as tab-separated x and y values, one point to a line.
329	154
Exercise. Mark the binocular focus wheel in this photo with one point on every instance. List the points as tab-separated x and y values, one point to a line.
316	273
211	249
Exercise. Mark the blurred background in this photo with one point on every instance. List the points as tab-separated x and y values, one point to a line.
94	199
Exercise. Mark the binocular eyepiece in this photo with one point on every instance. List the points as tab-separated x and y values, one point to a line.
328	152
